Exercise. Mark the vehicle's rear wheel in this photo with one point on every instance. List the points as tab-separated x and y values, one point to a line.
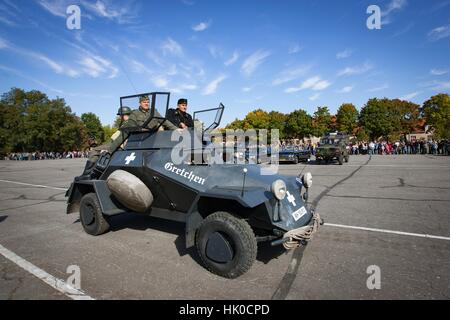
341	160
91	216
226	244
296	160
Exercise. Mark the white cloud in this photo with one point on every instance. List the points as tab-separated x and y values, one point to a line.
410	95
109	10
233	59
160	81
314	97
56	7
355	70
214	51
313	83
295	49
346	89
393	6
384	86
212	86
202	26
7	21
188	2
172	47
439	33
344	54
253	61
290	74
246	89
18	73
96	66
439	72
92	67
3	44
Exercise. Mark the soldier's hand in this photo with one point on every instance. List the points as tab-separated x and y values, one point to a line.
182	125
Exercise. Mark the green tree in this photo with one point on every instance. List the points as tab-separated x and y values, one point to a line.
30	121
321	121
93	126
375	118
347	118
436	111
277	120
109	131
298	124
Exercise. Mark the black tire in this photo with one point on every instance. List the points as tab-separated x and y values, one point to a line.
237	235
296	160
341	160
91	216
346	158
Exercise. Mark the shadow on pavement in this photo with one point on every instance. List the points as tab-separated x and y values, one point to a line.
3	218
141	222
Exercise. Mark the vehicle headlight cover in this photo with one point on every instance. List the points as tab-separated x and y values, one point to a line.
307	180
279	189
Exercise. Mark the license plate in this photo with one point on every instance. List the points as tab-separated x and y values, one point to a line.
299	213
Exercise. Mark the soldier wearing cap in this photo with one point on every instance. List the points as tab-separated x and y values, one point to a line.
140	115
179	116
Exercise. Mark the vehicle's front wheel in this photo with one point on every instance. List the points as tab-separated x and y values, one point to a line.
226	244
91	216
341	159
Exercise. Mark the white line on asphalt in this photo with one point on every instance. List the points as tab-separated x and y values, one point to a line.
34	185
397	166
326	224
55	283
388	231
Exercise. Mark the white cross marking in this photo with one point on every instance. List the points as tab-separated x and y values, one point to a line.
291	198
130	158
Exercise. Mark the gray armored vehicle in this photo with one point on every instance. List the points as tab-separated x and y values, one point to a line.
333	146
227	208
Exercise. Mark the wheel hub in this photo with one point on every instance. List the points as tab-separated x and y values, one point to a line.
218	248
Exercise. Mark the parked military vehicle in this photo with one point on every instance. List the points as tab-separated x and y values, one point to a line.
227	208
333	146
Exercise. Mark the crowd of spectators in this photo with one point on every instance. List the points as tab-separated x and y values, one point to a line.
19	156
400	147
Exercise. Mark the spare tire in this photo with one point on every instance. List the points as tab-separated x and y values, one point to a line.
130	191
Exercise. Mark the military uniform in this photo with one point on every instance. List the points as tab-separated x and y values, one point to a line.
140	115
176	116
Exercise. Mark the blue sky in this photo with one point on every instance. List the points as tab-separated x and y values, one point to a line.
278	55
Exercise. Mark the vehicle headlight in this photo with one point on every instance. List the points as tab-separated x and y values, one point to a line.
279	189
307	180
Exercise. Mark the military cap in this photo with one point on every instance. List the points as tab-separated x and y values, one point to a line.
124	111
182	101
143	98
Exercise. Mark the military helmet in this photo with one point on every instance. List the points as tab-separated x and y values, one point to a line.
123	111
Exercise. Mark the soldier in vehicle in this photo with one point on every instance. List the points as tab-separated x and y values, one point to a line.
140	115
117	139
179	116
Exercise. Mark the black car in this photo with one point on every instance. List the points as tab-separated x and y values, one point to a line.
294	154
227	208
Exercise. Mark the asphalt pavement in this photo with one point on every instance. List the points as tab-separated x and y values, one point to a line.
384	213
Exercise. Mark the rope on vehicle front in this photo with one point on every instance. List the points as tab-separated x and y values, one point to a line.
297	236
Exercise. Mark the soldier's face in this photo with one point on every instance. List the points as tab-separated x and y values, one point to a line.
145	104
182	107
125	117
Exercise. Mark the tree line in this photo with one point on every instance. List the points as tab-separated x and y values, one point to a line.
30	121
390	119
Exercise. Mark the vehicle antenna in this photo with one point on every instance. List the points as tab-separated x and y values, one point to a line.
243	183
